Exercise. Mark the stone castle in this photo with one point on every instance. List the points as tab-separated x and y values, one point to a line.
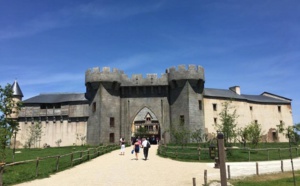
115	106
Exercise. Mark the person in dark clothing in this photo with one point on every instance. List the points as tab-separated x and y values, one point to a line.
145	147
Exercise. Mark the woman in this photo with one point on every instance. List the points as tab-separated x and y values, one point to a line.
122	141
136	148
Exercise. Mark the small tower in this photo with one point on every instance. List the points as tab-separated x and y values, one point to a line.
17	97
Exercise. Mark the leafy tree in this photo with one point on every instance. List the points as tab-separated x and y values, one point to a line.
180	134
141	131
253	133
7	124
34	132
228	124
242	136
198	136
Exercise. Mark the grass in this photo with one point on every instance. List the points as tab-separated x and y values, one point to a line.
279	179
26	172
190	152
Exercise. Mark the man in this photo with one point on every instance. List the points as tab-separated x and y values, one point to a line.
145	147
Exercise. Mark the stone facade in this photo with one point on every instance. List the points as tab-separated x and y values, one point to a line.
114	96
113	105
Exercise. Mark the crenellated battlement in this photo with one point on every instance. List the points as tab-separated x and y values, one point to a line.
184	68
182	72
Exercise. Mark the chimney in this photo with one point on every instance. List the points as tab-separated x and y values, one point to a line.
236	89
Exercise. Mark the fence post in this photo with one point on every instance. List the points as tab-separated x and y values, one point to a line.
268	154
166	149
257	172
281	165
80	156
199	153
72	159
57	162
1	173
248	154
194	181
279	152
205	177
228	169
88	154
37	167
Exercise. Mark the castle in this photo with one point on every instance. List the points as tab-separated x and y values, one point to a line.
115	106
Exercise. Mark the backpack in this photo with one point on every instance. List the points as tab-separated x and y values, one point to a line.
148	145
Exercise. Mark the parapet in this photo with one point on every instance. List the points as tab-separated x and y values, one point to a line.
149	80
106	75
182	72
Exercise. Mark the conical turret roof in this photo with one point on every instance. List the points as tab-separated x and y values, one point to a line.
16	89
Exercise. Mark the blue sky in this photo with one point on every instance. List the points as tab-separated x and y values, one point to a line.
48	45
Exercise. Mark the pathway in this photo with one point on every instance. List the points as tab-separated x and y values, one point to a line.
113	169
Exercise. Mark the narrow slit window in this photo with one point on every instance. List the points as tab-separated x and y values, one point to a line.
215	107
200	104
279	108
112	137
94	107
215	120
112	122
181	119
251	108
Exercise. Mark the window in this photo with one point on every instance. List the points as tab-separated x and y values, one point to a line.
281	122
251	108
215	107
255	121
279	108
111	137
200	104
94	107
50	106
181	120
215	120
112	122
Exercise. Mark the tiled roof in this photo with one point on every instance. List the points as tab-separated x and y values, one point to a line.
223	93
57	98
141	115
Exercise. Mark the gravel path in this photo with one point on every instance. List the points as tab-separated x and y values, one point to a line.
113	169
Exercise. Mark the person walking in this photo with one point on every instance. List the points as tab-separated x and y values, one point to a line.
122	141
146	146
136	149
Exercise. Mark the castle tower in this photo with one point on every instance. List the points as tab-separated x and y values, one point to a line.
186	96
17	97
103	93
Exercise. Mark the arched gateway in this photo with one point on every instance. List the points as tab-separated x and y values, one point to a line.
146	124
120	106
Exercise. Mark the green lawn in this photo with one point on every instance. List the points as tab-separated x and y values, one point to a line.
280	179
25	172
190	152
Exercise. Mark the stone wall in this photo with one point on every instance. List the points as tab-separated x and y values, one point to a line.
265	114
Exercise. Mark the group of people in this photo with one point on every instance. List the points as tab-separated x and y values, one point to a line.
137	145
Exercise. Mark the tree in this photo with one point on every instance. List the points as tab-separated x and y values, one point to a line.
242	136
198	136
253	133
289	133
7	124
228	125
34	132
141	131
180	134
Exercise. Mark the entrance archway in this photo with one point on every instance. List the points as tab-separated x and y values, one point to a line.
146	124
